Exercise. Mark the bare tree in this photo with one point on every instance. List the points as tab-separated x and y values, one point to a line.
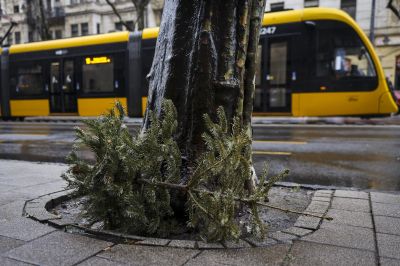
140	7
37	17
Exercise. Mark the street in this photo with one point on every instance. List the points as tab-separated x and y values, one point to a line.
356	156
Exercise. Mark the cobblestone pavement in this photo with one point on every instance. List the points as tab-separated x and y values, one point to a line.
365	230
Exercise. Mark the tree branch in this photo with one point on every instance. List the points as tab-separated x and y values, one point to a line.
116	12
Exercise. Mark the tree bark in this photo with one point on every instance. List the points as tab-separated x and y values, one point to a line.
205	58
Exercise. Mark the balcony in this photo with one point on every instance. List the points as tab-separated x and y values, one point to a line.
56	16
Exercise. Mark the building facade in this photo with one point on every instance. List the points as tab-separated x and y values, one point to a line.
69	18
386	30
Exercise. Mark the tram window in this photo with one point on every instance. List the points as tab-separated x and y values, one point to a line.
98	74
341	60
28	80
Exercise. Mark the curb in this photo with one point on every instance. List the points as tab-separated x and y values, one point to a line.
38	210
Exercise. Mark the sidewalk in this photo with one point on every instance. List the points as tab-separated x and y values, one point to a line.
365	231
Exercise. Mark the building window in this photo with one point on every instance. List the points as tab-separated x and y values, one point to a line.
277	6
349	6
311	3
30	36
17	35
10	39
74	30
16	9
84	29
58	34
131	25
118	26
98	28
75	2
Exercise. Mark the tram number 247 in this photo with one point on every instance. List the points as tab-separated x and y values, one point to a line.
267	30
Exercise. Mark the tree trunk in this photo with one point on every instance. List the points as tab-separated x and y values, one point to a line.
140	7
140	17
44	25
205	58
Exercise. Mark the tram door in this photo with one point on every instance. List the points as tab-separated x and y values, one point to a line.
62	89
277	76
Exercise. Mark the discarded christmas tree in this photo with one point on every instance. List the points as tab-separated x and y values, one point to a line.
129	186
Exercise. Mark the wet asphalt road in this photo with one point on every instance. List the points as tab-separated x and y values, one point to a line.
358	156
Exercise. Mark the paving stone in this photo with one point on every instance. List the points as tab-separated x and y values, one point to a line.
282	237
148	255
9	197
5	187
97	261
237	244
261	242
362	219
307	253
40	213
389	262
7	243
307	222
205	245
317	207
60	196
12	210
385	209
154	242
357	205
297	231
273	255
61	222
324	199
388	225
388	245
43	188
323	193
344	236
24	229
58	248
385	198
10	262
133	237
351	194
182	244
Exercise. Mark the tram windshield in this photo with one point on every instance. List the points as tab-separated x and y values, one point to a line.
340	52
330	54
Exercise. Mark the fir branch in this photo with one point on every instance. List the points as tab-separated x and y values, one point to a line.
249	201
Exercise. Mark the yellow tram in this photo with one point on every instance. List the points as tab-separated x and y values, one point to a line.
311	62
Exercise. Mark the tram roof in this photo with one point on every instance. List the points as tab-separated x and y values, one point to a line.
271	18
315	13
114	37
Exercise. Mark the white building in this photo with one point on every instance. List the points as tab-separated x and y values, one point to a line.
386	31
70	18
